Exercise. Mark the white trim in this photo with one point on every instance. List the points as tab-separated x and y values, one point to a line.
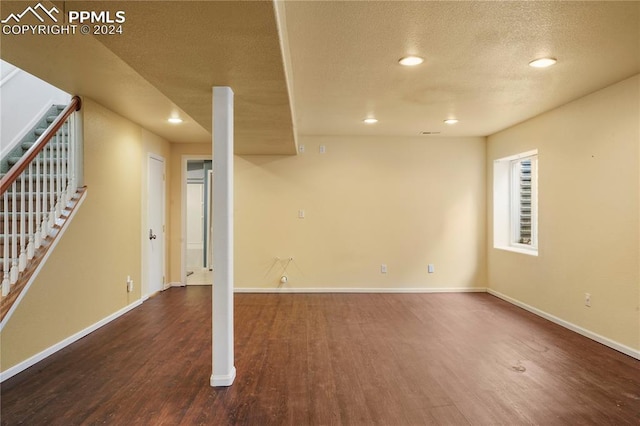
9	76
43	260
361	290
176	284
521	250
568	325
10	372
505	193
223	380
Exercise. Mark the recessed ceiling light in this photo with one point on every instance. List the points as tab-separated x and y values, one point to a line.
410	61
175	120
451	121
542	62
370	120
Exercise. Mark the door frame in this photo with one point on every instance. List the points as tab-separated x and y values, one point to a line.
144	291
183	211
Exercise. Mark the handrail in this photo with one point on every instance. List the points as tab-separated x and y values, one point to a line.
14	173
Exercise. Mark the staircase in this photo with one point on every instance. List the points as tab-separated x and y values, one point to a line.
40	184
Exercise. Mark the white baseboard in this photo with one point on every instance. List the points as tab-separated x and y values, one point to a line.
176	284
10	372
566	324
359	290
223	380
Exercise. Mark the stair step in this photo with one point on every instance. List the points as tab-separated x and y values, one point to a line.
14	160
28	144
40	131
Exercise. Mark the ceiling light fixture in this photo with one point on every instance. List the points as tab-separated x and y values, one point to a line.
543	62
411	61
451	121
175	120
370	120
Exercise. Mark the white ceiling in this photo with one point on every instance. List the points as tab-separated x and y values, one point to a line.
344	62
335	63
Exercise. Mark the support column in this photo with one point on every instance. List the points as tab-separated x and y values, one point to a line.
224	372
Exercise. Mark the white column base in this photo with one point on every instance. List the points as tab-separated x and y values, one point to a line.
226	380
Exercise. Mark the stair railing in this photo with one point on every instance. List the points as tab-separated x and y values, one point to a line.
36	191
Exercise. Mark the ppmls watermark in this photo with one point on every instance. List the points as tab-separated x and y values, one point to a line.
78	21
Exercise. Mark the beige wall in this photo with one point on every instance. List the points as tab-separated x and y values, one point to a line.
178	151
405	202
84	280
589	195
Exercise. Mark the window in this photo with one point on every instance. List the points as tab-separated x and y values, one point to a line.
523	201
515	203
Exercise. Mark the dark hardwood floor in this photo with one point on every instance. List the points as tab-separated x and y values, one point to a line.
331	359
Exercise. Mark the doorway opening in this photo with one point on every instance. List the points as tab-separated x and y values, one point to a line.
198	258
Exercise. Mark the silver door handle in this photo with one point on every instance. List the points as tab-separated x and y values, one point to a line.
152	236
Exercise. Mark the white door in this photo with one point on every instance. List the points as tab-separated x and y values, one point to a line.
155	224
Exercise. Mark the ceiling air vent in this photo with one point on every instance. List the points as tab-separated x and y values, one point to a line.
429	133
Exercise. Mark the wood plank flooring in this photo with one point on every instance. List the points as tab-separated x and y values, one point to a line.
331	359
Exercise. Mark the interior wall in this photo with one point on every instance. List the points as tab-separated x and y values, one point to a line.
178	150
589	196
368	201
84	279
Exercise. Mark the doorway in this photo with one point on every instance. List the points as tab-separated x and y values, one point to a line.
197	210
154	231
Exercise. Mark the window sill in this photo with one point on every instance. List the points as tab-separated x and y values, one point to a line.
521	250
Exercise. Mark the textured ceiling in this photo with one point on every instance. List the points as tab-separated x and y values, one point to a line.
344	62
184	48
167	60
337	64
81	65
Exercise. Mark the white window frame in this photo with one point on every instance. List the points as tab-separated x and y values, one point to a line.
506	204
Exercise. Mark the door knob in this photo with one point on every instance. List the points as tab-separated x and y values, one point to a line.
152	236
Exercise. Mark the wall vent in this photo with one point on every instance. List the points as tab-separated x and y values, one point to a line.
429	133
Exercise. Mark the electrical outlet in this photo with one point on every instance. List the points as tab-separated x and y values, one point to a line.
383	268
587	300
129	284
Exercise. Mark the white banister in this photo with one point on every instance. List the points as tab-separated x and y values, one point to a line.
51	212
31	217
38	215
37	194
5	245
13	273
44	229
22	260
63	179
58	161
